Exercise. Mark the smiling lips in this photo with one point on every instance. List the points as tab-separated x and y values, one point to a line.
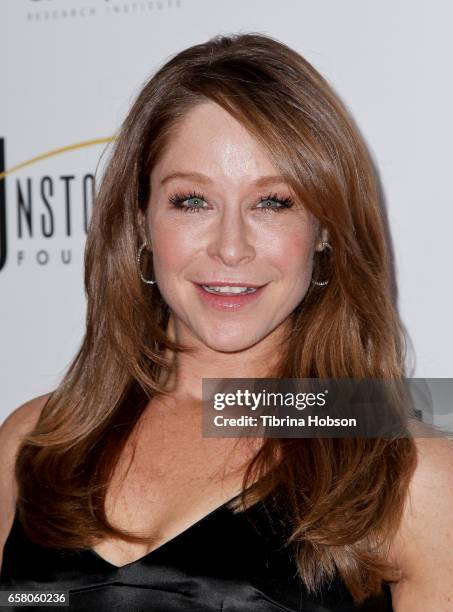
227	283
230	295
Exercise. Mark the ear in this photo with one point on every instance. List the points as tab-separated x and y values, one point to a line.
142	229
323	237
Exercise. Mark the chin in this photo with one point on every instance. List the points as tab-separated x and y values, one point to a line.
229	347
230	343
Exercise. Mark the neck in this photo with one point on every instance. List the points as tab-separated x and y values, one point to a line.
258	361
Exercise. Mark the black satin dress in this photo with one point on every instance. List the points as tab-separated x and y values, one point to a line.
225	562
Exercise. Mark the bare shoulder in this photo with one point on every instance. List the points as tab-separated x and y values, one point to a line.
23	418
12	431
423	548
16	425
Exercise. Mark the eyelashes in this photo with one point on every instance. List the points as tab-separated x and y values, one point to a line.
177	201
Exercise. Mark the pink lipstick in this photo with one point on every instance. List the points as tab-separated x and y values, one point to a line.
228	301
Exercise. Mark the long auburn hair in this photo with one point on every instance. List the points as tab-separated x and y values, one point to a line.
344	498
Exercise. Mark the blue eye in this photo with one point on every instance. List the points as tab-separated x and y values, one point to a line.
178	201
282	203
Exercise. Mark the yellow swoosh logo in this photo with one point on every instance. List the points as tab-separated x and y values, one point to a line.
59	151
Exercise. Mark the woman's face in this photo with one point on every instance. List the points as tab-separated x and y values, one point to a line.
213	218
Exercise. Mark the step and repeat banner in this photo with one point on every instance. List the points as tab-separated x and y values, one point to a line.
70	71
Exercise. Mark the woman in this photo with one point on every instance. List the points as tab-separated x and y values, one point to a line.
237	169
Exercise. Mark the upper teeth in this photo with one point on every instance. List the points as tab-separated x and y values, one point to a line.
227	289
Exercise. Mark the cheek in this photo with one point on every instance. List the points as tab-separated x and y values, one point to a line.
291	252
173	244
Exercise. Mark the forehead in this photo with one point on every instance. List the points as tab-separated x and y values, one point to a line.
210	140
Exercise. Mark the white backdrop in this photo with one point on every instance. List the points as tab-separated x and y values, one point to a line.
71	69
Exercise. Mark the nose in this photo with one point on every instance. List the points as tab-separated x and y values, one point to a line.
232	238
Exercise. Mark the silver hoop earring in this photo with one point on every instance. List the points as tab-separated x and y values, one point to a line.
326	245
139	263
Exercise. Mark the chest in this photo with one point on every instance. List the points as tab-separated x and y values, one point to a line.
168	477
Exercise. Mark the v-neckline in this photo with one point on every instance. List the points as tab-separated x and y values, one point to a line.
167	542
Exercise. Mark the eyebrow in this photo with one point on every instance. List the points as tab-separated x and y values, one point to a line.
262	181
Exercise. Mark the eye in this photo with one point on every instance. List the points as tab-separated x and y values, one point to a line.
270	200
178	200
